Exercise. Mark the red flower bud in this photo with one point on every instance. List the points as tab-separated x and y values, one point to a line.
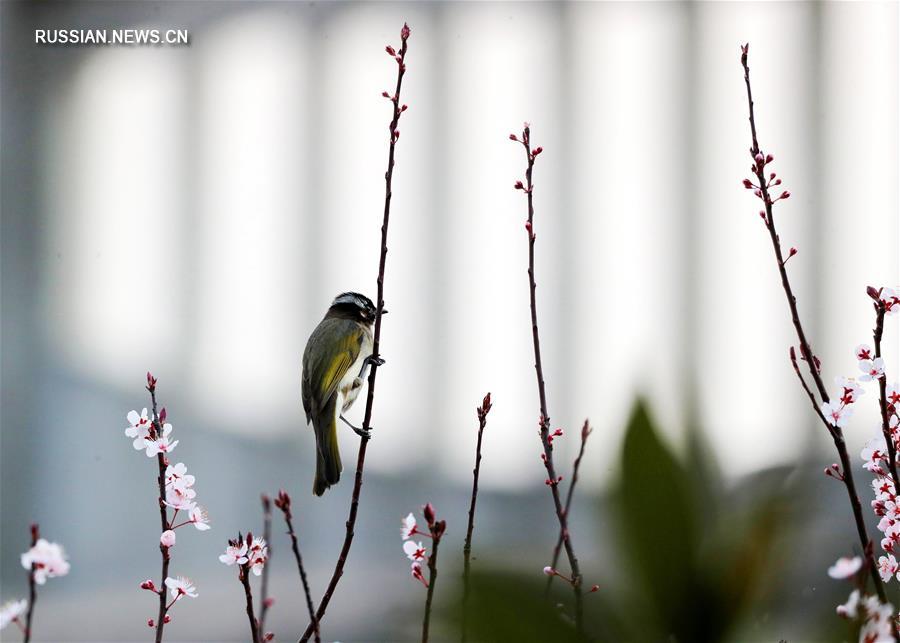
748	184
785	195
391	51
404	32
769	158
519	185
513	137
537	151
428	512
873	293
163	415
167	618
269	636
385	94
150	622
148	584
759	158
269	602
594	588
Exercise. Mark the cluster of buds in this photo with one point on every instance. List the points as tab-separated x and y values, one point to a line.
834	471
553	482
400	57
416	552
558	433
762	188
283	502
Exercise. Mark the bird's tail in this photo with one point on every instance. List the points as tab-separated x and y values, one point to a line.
328	458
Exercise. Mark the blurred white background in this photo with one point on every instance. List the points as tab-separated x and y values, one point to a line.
193	210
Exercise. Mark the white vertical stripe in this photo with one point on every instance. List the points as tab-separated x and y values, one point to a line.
253	100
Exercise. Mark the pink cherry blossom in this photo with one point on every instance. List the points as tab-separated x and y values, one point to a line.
49	560
414	551
849	609
850	389
872	369
863	351
199	518
874	454
408	527
177	475
890	300
887	567
181	499
877	627
836	413
167	538
181	586
258	555
235	555
12	610
139	428
845	567
161	444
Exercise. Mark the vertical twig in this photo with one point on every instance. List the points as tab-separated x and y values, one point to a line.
552	479
585	432
32	585
437	529
397	109
264	601
482	412
877	334
812	362
248	595
163	516
283	502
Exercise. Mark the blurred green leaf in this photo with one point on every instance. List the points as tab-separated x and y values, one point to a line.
657	528
512	607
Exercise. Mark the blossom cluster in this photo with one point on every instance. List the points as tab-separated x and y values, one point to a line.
253	552
48	560
180	494
874	615
152	434
415	551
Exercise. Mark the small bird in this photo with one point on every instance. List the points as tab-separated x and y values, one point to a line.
337	356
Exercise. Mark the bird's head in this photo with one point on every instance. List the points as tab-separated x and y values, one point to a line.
352	305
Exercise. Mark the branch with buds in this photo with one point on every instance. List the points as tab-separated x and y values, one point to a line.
552	480
481	412
586	430
152	435
398	108
418	554
283	502
832	413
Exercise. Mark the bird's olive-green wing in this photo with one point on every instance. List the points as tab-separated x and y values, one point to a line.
332	349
